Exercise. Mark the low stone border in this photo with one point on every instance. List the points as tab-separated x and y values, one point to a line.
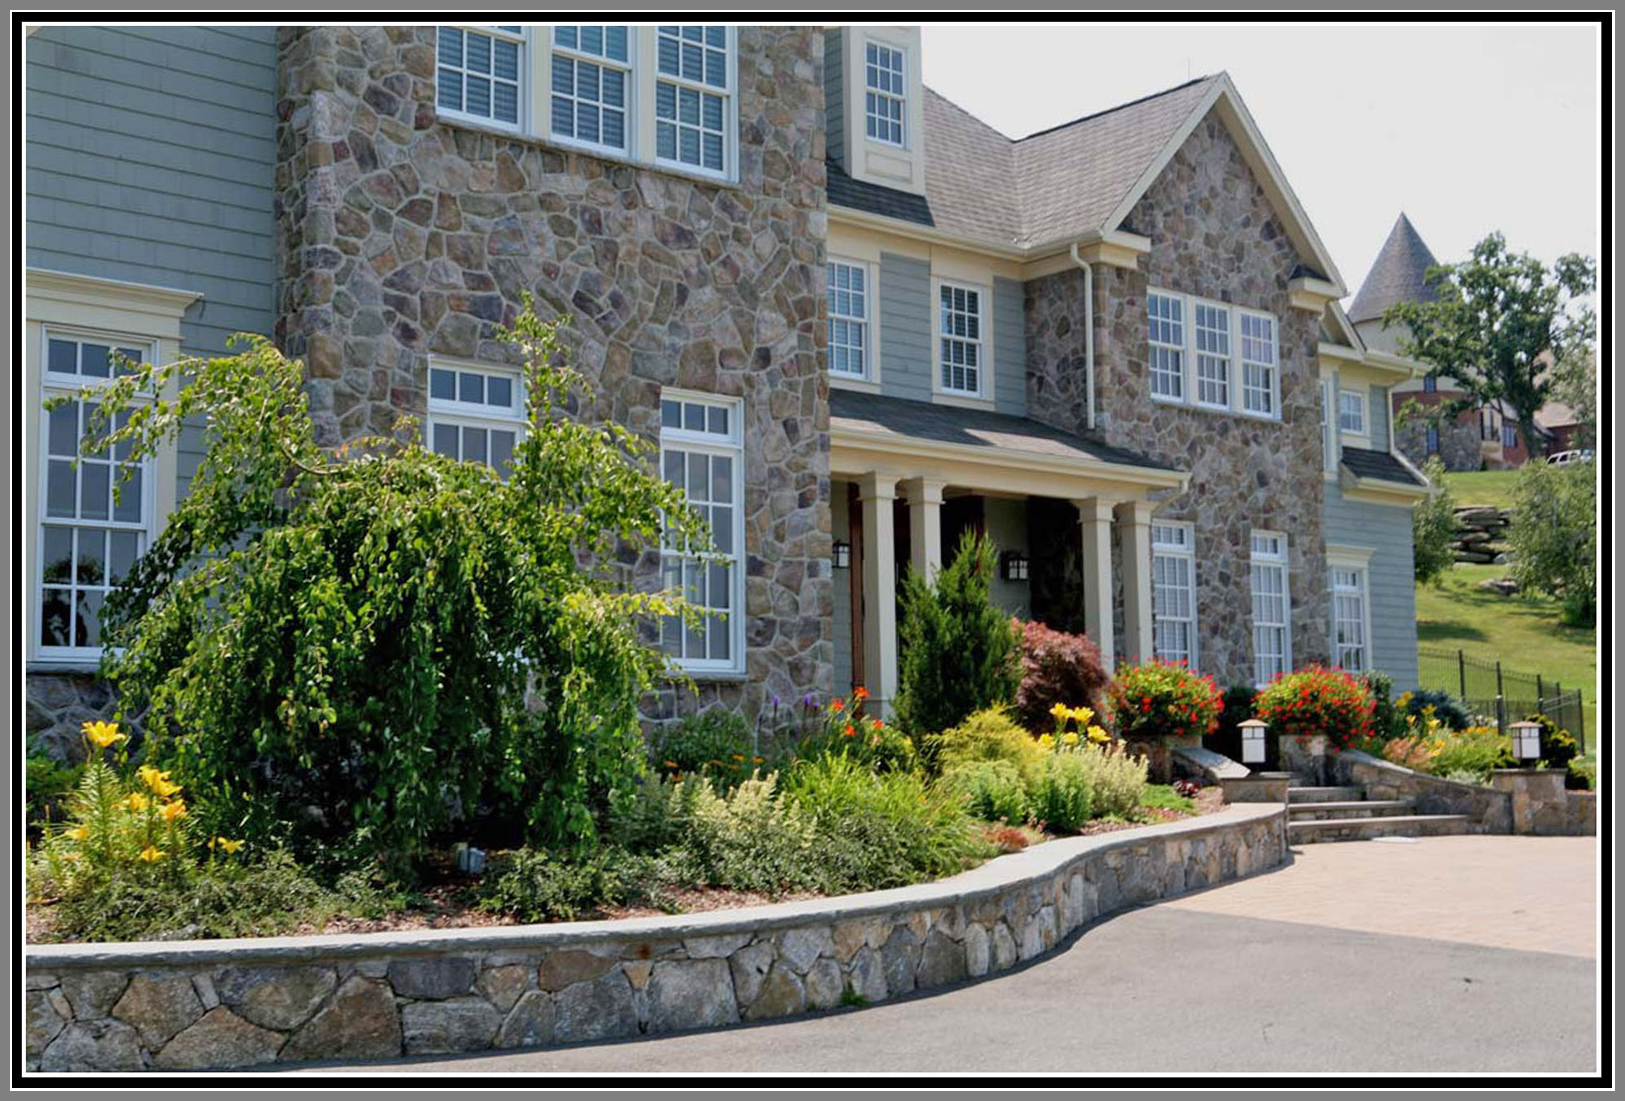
247	1002
1490	811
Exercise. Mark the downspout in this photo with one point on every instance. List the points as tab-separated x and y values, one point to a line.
1088	337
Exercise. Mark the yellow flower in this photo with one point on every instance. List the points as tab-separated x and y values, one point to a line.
1098	734
157	781
137	802
152	855
1046	741
102	734
172	811
1060	711
78	833
229	846
1082	714
1070	738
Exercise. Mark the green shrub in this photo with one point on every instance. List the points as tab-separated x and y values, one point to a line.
993	790
1446	708
1554	536
1237	709
1164	797
1557	746
877	830
958	652
1116	780
752	839
1582	774
715	742
1056	668
1477	750
1386	720
50	782
348	646
1318	701
1433	526
988	735
1063	796
1158	700
537	885
843	729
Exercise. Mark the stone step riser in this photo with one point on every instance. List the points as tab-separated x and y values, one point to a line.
1311	812
1324	795
1364	829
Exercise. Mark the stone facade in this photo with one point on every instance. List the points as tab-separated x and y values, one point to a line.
1213	233
246	1003
58	704
402	235
1458	436
1541	804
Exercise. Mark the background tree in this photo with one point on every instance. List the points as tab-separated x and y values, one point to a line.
959	651
1574	383
1496	313
1554	536
1433	525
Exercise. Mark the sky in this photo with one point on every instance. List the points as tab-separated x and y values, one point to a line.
1466	129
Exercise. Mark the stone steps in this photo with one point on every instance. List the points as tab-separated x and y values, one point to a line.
1364	829
1324	795
1349	809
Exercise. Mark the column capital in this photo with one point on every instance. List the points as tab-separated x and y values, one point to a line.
1135	512
1094	510
876	484
924	491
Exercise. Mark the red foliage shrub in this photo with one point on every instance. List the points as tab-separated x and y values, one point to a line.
1056	667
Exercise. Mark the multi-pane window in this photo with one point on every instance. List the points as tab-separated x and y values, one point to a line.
959	337
884	98
1351	411
1259	377
1167	321
1212	355
478	72
1173	592
848	292
693	96
702	453
1349	618
1272	628
98	509
476	414
591	78
1209	339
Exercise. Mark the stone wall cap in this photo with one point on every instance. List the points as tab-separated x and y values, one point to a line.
997	875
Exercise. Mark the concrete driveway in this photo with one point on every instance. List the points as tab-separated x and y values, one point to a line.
1448	954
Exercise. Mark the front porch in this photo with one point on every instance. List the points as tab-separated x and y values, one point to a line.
1071	521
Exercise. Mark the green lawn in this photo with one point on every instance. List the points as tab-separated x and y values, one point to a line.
1482	487
1522	632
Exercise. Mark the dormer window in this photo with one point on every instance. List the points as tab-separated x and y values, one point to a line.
884	98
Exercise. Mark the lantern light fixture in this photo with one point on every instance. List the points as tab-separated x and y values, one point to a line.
1526	740
1013	566
1252	741
843	555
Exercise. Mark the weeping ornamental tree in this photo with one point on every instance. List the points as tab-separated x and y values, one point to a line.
344	648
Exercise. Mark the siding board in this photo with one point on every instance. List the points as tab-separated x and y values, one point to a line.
1009	347
1385	529
905	327
834	99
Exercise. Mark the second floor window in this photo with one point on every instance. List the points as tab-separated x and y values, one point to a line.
479	71
960	339
1212	355
883	93
1259	381
476	414
591	72
1203	338
1167	320
693	97
1433	439
1430	383
848	292
1351	412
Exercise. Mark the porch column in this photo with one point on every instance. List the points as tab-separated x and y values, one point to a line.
876	492
924	525
1134	526
1095	519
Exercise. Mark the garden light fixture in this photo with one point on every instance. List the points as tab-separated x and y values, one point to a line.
1252	741
1526	740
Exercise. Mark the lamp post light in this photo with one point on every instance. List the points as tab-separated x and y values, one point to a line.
1252	742
1526	740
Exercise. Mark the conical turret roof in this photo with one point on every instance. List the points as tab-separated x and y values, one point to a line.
1396	276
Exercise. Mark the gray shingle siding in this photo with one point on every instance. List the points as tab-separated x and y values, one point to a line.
1009	347
151	154
905	327
834	99
1391	577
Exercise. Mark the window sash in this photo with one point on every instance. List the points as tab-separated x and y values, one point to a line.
1260	378
847	291
884	86
1166	318
1351	412
1173	593
1272	608
1349	618
495	70
579	93
960	338
685	118
709	460
1208	339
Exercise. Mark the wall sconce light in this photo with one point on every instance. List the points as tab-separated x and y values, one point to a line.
843	555
1526	740
1013	566
1252	741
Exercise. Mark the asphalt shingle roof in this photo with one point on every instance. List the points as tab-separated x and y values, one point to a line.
875	199
874	413
1380	465
1396	275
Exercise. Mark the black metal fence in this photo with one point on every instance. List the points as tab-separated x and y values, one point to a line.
1499	694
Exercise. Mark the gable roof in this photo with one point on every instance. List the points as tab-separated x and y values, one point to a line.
1396	275
1081	178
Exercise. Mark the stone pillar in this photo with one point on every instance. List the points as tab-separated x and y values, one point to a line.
1134	523
924	525
1538	798
1305	756
1095	519
876	492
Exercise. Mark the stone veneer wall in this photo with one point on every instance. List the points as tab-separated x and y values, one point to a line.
1213	234
58	704
402	236
1489	810
1458	441
248	1002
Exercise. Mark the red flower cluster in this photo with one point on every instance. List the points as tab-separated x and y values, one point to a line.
1162	700
1318	700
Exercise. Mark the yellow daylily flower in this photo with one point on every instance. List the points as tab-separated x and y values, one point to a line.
78	833
102	734
157	781
172	811
1070	738
1046	741
137	802
1098	734
1082	714
151	855
1060	711
229	846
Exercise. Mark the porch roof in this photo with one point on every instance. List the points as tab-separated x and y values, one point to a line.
983	435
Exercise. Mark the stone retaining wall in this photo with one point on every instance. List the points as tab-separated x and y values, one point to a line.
236	1003
1490	811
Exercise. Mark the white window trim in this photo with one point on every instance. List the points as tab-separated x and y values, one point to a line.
1281	562
535	125
1357	560
863	55
1331	448
526	40
544	98
983	397
1363	393
1235	403
1183	348
1273	368
734	448
1230	333
468	414
107	309
870	379
1187	552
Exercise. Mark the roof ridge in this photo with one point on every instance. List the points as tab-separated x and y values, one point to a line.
1118	107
